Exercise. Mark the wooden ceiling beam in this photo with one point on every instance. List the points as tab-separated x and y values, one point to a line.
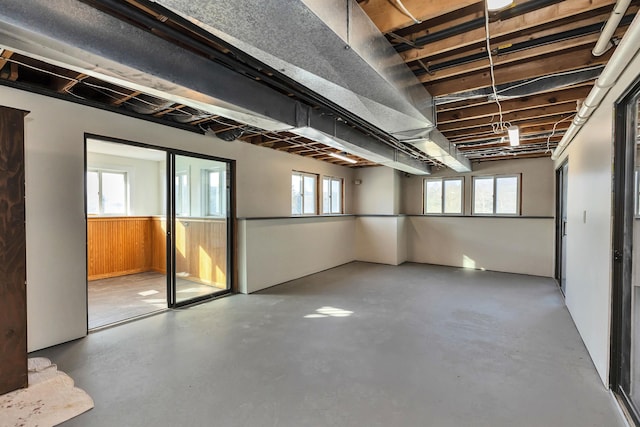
501	60
524	131
524	125
484	101
5	56
169	110
514	117
68	85
551	64
544	16
475	147
509	105
126	98
387	16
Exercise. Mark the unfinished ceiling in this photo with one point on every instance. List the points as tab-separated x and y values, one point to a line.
542	65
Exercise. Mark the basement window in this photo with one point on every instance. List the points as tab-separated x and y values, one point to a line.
106	192
304	193
443	196
496	195
332	195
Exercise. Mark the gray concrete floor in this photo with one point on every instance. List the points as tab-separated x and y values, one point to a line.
358	345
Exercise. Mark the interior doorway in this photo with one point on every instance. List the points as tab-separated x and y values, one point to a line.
126	231
625	343
158	229
561	225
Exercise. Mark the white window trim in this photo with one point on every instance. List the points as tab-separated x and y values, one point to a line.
331	179
518	212
442	180
316	207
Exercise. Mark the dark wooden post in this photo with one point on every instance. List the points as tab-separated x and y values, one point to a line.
13	289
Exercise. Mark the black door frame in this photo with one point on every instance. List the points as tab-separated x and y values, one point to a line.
622	250
231	216
560	193
171	227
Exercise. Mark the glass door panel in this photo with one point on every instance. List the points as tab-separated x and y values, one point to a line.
201	228
634	384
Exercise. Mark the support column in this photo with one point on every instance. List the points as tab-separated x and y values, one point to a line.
13	290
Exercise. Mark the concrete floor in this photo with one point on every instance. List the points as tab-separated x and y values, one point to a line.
358	345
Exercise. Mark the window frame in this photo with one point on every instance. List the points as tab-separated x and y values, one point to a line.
331	180
495	179
442	195
316	203
206	195
114	171
179	194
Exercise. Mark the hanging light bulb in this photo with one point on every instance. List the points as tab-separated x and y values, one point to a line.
514	135
495	5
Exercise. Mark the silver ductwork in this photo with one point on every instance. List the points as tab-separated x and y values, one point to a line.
74	35
438	147
332	48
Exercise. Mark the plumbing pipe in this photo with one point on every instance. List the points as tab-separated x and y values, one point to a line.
624	53
604	42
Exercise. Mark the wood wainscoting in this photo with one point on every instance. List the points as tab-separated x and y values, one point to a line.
201	250
118	246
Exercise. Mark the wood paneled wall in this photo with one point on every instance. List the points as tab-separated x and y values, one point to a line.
13	291
159	245
127	245
118	246
201	250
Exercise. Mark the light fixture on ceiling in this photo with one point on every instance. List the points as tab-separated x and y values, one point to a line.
343	158
496	5
514	135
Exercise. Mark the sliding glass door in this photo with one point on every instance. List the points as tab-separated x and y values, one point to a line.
625	360
200	229
158	229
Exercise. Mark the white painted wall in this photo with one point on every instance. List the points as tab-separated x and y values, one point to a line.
589	269
56	227
142	176
376	195
513	245
381	239
274	251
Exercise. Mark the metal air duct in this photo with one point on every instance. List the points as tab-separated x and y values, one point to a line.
332	48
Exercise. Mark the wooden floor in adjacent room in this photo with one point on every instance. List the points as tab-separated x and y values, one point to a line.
121	298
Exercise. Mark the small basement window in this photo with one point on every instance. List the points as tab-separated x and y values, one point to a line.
443	196
332	202
496	195
304	193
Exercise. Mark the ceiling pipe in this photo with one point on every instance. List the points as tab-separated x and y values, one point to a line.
604	42
626	50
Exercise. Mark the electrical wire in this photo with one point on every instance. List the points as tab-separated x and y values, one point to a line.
404	10
553	131
500	126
